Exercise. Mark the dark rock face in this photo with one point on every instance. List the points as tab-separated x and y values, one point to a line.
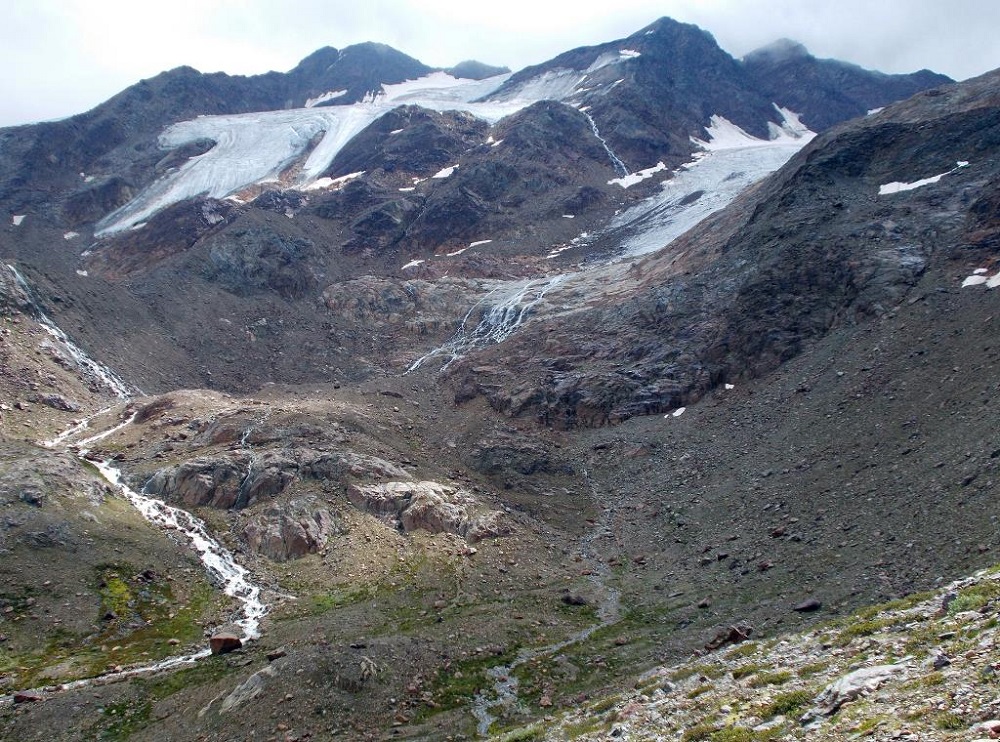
232	295
814	248
680	75
826	91
412	141
473	70
239	480
253	260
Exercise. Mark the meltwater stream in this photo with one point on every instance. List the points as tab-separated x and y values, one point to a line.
503	694
505	309
232	578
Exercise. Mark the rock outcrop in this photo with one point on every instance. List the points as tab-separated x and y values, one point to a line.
291	530
429	506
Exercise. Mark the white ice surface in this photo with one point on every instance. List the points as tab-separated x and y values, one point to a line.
732	160
325	97
256	148
632	178
899	187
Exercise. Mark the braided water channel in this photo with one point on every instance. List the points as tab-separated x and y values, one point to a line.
502	696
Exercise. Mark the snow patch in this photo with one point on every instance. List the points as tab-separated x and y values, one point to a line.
325	97
724	134
873	111
899	187
979	278
569	216
445	172
81	273
412	264
407	190
632	178
609	58
327	183
70	235
17	219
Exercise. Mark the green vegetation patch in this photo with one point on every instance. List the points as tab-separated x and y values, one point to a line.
787	704
141	619
975	597
770	678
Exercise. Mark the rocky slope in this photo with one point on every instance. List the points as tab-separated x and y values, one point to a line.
923	667
612	459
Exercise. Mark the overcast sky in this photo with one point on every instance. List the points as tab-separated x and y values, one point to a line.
66	56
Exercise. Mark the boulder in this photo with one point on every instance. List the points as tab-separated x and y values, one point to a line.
223	642
847	688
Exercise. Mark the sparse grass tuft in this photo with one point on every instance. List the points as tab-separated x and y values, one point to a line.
770	678
787	703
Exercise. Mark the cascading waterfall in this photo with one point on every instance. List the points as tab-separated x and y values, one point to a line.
620	167
497	323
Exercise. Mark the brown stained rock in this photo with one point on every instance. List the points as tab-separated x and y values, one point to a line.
291	530
223	642
732	635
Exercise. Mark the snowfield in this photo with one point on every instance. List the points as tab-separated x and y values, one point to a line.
257	148
730	161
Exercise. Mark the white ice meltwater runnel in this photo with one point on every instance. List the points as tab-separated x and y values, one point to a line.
85	363
620	167
503	315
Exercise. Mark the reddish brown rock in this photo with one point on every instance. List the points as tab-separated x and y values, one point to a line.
223	642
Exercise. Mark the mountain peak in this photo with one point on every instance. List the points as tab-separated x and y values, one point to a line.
778	51
472	69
